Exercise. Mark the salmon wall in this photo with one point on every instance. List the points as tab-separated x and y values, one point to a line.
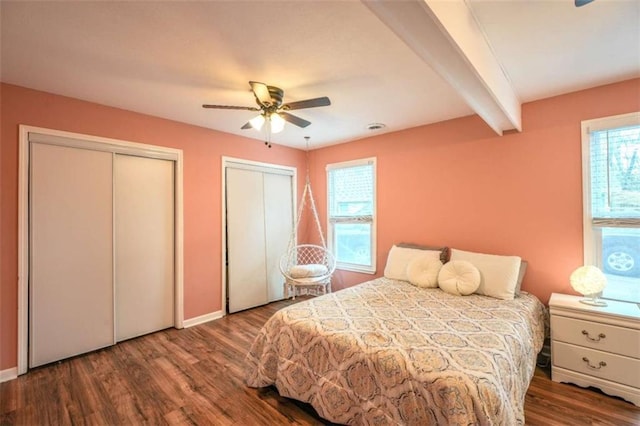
202	149
457	183
453	183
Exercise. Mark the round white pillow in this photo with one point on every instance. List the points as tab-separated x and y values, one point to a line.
423	271
459	277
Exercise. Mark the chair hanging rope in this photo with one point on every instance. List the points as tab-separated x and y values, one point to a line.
307	265
307	193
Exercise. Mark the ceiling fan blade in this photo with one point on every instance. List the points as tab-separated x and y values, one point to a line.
579	3
261	91
309	103
246	126
230	107
300	122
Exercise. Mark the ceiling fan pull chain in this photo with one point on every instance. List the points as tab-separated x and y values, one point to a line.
268	132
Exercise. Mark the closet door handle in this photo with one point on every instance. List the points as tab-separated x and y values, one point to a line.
593	367
593	339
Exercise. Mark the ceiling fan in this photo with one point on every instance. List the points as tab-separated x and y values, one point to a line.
579	3
271	108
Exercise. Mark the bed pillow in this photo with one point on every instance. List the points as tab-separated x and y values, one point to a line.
308	271
399	258
498	274
521	272
444	251
459	277
423	271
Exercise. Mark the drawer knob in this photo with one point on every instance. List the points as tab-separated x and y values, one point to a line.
593	339
593	367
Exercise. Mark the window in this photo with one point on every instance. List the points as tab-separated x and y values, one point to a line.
351	189
611	197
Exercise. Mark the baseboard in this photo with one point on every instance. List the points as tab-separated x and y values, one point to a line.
202	319
8	374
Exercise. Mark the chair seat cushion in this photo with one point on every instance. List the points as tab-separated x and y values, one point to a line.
311	270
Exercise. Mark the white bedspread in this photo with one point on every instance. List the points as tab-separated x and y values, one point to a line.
386	352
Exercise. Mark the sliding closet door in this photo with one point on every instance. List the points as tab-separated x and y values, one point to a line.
247	267
144	238
71	252
278	200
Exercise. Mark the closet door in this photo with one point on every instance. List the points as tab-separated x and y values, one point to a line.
71	252
246	270
278	196
144	239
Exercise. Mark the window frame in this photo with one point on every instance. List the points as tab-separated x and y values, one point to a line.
592	235
330	223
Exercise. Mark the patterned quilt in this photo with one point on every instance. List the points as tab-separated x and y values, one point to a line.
387	352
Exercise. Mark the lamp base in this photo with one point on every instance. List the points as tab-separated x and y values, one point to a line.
594	302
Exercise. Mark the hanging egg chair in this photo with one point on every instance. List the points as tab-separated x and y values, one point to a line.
307	268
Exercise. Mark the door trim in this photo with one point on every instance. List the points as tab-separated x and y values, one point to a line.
59	137
239	163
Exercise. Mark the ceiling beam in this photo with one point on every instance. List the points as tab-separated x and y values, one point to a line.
447	36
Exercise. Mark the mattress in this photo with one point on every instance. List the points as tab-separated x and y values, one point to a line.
387	352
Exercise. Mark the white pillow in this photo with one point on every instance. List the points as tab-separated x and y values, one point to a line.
459	277
399	258
498	274
308	271
423	271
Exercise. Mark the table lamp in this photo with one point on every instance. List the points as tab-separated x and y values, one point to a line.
589	281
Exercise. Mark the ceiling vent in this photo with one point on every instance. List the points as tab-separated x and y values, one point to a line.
375	126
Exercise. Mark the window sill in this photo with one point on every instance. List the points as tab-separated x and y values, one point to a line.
356	268
624	289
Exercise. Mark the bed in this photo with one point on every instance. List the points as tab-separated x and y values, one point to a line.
388	352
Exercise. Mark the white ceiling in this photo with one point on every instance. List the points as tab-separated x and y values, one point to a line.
168	58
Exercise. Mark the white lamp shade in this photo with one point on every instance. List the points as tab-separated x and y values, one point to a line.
257	122
588	280
277	123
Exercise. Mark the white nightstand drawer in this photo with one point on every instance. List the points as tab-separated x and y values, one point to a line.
604	337
607	366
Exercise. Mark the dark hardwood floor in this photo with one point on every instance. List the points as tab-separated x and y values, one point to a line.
195	376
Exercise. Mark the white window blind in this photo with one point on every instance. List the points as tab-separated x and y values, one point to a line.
615	177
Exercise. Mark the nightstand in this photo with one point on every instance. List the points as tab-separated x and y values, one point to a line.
596	346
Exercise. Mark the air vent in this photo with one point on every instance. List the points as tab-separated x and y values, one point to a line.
375	126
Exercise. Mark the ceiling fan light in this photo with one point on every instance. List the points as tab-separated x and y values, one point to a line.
257	122
277	123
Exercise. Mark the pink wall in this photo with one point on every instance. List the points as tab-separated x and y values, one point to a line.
456	183
452	183
203	149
